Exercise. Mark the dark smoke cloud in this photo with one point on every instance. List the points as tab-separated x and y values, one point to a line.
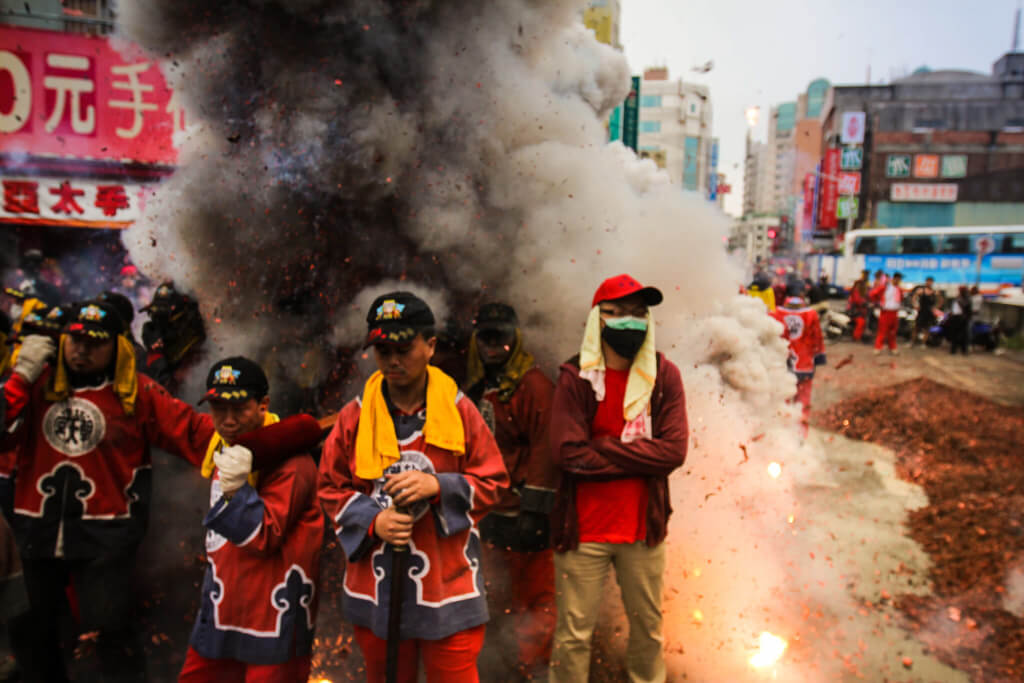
338	149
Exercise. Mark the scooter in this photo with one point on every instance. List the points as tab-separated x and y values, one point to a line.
836	324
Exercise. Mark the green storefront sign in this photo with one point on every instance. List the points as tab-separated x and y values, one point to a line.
954	166
852	159
898	166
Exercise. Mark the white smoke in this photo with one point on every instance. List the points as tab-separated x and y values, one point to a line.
457	149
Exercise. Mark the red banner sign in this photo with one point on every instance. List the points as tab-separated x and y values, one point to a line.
83	98
829	189
808	205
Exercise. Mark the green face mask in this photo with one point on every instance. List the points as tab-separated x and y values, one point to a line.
627	322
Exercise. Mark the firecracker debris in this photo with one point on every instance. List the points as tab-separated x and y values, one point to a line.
966	453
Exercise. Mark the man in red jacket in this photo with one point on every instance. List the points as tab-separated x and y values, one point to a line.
514	398
264	533
889	298
618	429
82	421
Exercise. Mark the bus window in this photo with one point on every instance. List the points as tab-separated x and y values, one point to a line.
865	245
918	244
888	245
956	244
1012	244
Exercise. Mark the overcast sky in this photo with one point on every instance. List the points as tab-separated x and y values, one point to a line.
767	52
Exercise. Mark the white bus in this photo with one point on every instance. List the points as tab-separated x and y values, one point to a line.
950	255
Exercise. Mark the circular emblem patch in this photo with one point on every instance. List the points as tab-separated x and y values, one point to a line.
74	427
410	460
794	326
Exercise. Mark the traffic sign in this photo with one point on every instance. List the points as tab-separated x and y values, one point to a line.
985	245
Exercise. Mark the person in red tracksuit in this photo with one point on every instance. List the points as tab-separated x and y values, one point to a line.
82	421
857	306
801	327
264	533
889	298
514	398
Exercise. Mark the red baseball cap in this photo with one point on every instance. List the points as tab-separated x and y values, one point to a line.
622	286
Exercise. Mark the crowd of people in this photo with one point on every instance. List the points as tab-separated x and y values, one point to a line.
434	492
796	302
934	318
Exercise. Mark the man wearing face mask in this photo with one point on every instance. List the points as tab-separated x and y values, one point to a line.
514	398
618	429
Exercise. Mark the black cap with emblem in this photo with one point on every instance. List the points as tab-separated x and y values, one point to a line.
95	319
235	380
396	318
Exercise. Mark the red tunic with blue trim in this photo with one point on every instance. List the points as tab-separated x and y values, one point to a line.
444	587
84	471
259	598
802	329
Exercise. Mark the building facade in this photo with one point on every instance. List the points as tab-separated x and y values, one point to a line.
940	148
675	128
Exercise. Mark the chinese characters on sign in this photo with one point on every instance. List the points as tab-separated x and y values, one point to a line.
84	203
829	189
849	183
921	192
854	123
897	166
926	166
852	159
848	207
76	97
954	166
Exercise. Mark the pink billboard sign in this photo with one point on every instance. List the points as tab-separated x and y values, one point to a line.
83	98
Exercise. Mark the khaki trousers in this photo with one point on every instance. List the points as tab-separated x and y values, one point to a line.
579	588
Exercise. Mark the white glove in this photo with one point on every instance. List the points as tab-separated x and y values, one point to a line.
234	463
35	351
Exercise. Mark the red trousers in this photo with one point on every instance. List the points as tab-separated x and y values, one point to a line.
859	324
888	323
803	397
449	660
521	598
199	669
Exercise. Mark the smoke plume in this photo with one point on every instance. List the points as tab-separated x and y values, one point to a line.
337	150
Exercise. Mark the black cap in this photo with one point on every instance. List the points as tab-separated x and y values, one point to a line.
96	319
123	305
47	321
496	316
165	299
396	318
235	380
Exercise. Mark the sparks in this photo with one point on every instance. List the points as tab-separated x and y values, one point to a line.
769	652
774	470
698	616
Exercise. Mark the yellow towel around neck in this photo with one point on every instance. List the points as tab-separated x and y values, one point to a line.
217	441
126	379
642	372
376	441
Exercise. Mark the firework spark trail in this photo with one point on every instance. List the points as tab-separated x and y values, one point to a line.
458	148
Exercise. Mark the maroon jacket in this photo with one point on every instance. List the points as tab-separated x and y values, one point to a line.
520	427
581	458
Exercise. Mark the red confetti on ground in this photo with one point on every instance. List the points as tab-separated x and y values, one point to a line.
965	452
